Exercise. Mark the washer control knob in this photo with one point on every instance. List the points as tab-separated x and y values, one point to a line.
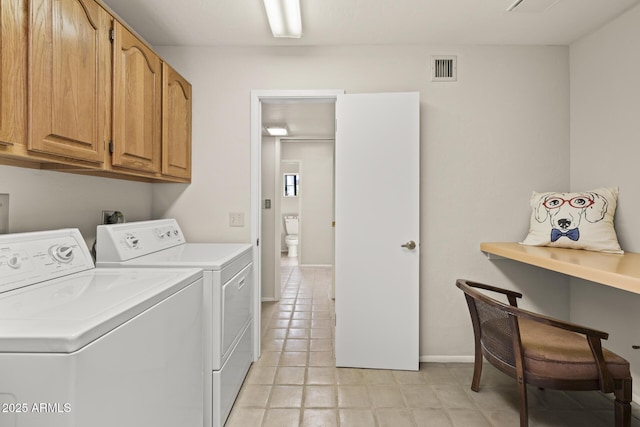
132	241
62	253
14	261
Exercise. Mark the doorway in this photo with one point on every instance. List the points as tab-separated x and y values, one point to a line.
367	123
290	208
258	203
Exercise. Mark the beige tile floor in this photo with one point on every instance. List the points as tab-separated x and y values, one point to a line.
296	383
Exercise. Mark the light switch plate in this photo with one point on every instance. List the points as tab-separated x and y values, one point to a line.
4	213
236	219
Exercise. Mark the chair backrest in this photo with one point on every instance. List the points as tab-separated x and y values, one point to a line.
493	326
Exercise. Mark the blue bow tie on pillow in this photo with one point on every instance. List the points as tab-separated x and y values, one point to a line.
573	234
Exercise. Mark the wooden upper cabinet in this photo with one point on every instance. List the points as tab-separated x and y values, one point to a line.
13	74
176	124
74	81
137	99
68	71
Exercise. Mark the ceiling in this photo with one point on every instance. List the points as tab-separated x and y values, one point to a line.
348	22
357	22
304	120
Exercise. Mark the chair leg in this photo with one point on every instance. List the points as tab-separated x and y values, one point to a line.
477	369
524	406
622	404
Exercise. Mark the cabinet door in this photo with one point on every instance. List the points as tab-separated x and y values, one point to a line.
176	124
67	74
137	103
13	73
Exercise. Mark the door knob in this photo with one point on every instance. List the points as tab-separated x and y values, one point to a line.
411	245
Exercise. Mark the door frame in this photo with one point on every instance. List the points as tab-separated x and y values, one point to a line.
257	98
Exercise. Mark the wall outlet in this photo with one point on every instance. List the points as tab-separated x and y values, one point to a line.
236	219
4	213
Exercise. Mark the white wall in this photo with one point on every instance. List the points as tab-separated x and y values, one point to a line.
316	199
487	141
605	130
43	200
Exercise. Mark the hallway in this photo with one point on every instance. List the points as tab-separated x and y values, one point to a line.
295	382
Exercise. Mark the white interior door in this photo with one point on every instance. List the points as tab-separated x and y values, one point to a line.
377	211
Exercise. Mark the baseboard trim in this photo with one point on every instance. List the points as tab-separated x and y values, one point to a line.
269	300
447	359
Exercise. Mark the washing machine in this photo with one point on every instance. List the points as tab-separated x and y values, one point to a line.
227	297
83	346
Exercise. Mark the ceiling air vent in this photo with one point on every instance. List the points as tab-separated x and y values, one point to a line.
444	68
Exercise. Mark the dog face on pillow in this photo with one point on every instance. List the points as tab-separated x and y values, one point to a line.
565	213
574	220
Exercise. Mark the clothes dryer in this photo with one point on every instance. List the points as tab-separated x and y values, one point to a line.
84	346
227	297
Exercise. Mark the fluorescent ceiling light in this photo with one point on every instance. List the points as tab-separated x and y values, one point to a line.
284	18
277	130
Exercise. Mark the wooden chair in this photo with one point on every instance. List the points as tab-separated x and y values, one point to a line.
543	351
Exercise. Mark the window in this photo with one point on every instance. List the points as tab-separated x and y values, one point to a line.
291	184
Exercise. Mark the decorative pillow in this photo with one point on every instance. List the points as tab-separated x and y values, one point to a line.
574	220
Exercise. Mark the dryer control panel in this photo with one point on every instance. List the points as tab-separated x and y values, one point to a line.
122	242
28	258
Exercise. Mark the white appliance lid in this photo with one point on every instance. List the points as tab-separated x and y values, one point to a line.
63	315
208	256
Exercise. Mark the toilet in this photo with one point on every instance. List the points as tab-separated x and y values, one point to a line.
291	239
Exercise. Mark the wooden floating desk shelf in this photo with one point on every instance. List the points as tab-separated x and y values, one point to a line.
617	271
